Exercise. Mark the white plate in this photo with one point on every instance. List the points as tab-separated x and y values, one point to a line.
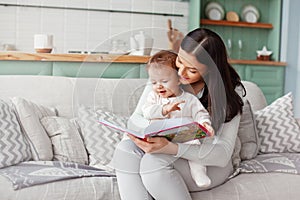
250	14
214	11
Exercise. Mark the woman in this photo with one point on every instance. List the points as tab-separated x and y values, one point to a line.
159	169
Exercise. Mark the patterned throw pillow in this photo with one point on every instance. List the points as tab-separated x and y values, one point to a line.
13	145
66	140
29	115
100	141
278	130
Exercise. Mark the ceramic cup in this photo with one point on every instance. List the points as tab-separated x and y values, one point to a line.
43	43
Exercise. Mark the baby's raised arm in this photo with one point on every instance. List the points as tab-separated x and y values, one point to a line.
170	107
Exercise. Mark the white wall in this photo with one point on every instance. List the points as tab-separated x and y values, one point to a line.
291	49
87	30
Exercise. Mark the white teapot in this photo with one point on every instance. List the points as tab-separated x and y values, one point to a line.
141	44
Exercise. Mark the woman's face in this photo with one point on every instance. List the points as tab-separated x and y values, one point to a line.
190	70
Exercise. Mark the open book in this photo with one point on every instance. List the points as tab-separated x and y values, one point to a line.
174	129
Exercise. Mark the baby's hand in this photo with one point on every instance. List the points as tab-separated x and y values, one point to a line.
209	128
171	107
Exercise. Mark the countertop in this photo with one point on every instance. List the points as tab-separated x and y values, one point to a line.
22	56
72	57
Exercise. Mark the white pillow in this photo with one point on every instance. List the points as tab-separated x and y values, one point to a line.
100	141
66	140
29	115
13	145
277	128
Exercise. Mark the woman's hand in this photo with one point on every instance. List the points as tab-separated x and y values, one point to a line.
209	128
155	145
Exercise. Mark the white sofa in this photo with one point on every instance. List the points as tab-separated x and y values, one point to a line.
121	96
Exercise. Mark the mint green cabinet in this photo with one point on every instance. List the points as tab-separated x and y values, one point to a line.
103	70
73	69
240	70
25	68
270	79
252	36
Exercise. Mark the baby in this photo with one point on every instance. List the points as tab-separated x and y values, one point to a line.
168	100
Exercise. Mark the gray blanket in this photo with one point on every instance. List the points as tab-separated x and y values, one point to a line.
275	162
38	172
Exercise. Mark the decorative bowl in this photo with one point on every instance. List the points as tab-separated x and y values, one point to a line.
43	50
214	11
250	14
232	16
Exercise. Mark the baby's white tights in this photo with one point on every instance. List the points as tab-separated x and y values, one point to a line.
198	171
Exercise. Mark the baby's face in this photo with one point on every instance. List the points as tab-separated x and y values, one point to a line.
165	81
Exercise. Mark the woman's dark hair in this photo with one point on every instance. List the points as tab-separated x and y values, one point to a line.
221	79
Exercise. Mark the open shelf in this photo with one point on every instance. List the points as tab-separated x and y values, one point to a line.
256	62
102	58
237	24
22	56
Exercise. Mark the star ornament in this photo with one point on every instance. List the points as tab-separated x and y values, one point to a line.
264	54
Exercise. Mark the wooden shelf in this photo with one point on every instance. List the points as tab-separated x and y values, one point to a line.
257	62
105	58
73	57
237	24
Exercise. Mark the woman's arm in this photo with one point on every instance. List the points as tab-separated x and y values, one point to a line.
217	151
213	152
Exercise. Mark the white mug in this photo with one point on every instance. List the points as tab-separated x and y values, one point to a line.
43	41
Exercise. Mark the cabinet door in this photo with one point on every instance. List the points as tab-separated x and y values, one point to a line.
240	70
270	79
25	68
96	70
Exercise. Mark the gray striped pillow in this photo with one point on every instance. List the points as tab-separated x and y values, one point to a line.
277	128
100	141
14	147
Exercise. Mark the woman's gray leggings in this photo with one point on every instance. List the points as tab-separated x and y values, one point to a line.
160	176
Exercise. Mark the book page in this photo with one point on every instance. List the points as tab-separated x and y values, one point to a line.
191	131
164	124
174	129
119	128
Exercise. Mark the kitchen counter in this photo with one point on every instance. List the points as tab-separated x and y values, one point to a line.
105	58
269	75
73	65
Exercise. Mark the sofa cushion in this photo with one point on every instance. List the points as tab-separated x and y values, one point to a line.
66	140
14	147
278	129
100	141
29	115
119	96
247	133
255	96
236	158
